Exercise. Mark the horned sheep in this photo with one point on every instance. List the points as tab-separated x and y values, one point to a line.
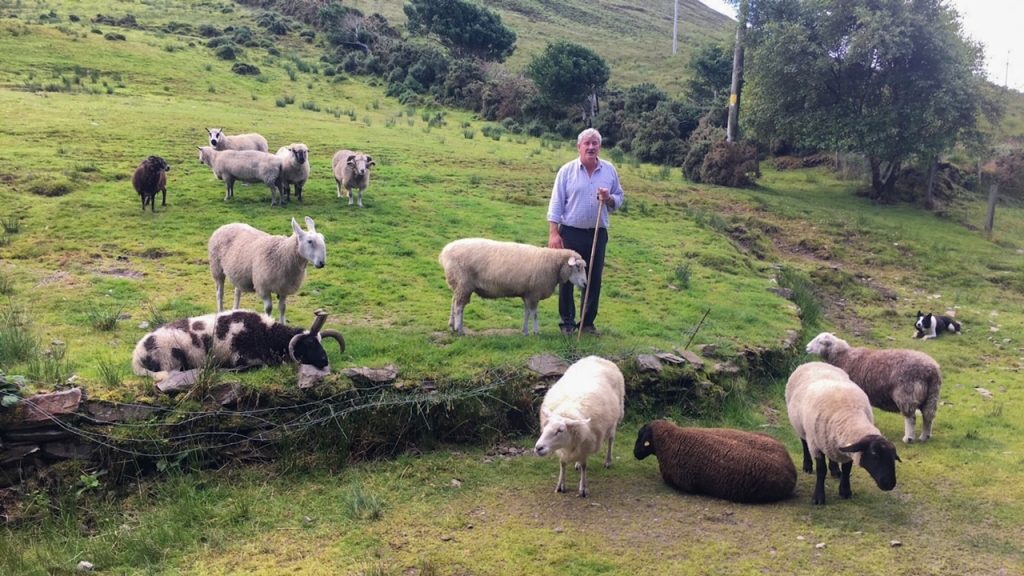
294	168
237	339
579	414
248	166
720	462
352	172
258	262
493	269
833	418
895	380
149	178
221	141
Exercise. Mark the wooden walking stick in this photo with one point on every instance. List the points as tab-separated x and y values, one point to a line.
590	270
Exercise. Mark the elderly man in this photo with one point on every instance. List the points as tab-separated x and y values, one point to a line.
583	188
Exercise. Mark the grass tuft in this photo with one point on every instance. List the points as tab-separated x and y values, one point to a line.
17	343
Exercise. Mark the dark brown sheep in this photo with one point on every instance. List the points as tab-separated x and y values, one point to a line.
730	464
149	178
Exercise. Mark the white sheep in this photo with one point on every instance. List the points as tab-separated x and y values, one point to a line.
833	418
352	171
494	269
896	380
221	141
247	166
294	168
579	414
258	262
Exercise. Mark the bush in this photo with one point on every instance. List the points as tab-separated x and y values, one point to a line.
245	69
226	52
732	164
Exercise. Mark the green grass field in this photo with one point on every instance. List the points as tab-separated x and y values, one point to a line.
81	111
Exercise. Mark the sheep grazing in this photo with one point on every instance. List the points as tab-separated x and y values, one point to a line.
248	166
238	339
896	380
833	418
352	171
494	269
730	464
294	169
149	178
258	262
579	413
221	141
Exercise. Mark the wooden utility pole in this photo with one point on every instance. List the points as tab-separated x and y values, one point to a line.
675	29
929	198
993	196
733	126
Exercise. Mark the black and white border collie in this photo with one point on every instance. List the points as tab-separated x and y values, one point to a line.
930	326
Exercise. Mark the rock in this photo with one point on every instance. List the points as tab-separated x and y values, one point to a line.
85	566
16	454
820	545
372	376
548	365
42	407
670	358
726	369
68	450
895	543
456	483
310	376
708	349
227	395
104	411
648	363
178	381
983	392
693	359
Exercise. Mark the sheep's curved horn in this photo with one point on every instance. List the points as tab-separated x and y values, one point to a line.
337	336
318	322
291	346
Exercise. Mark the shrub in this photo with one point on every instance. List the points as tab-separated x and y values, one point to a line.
732	164
114	36
244	69
226	52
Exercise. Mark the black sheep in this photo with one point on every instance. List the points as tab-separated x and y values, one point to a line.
720	462
149	178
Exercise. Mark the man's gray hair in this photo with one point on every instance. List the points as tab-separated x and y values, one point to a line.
588	132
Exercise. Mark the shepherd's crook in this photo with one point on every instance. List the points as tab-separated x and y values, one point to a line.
590	269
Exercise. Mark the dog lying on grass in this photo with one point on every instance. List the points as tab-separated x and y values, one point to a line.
930	326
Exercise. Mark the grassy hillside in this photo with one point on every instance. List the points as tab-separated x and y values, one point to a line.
80	112
635	38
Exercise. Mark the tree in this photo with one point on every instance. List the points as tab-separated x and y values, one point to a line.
463	27
889	79
733	126
710	71
570	74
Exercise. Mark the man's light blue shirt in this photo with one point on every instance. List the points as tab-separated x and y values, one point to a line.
574	195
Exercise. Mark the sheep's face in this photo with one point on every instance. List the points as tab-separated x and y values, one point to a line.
574	270
301	153
157	164
557	433
822	343
644	446
206	155
312	246
360	163
878	456
216	136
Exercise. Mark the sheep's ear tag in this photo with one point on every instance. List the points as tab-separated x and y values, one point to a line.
647	443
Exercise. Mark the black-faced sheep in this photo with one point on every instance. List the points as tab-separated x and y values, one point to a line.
294	168
833	418
494	269
896	380
248	166
149	178
352	171
731	464
238	339
580	412
258	262
221	141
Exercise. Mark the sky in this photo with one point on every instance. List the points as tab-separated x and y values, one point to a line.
993	23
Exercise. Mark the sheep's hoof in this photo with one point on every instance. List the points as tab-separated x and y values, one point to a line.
584	493
908	439
559	489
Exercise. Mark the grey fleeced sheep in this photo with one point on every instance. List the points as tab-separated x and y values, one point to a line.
149	178
833	418
237	339
896	380
221	141
731	464
579	414
294	168
352	172
258	262
249	166
494	269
